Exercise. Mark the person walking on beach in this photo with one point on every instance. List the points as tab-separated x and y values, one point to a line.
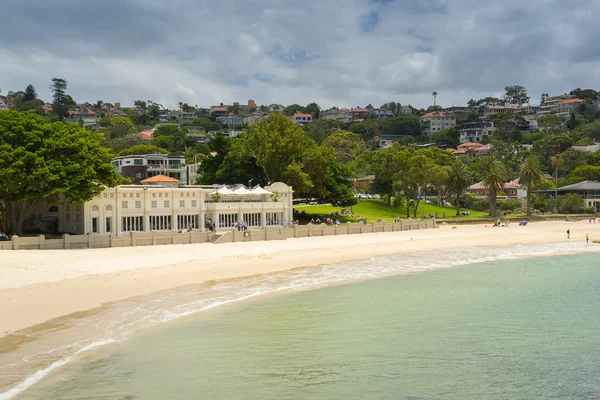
568	234
587	238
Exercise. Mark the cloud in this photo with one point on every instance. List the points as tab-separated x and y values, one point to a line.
336	53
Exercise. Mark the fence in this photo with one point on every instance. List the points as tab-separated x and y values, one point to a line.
173	237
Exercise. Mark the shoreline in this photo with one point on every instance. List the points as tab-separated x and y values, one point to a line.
40	285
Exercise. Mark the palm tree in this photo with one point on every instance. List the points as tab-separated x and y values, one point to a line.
494	178
459	179
530	175
557	162
434	94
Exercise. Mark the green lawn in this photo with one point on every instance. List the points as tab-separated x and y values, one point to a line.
373	210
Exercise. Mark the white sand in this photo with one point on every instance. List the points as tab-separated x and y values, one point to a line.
38	285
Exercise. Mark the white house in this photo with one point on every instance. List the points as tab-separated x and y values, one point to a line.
164	205
301	118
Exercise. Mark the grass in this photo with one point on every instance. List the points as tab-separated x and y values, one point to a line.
373	210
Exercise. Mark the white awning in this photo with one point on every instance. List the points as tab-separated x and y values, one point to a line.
242	191
223	190
259	190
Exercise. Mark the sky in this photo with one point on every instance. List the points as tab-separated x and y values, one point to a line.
343	53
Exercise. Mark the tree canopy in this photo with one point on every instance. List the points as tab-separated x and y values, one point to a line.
39	160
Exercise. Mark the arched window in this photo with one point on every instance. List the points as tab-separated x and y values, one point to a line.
95	208
68	208
109	208
53	209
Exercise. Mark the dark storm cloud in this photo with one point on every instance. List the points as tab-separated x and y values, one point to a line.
343	52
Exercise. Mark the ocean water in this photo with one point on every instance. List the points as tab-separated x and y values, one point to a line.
481	323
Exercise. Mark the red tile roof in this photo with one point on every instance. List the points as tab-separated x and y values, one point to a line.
471	145
435	114
160	178
572	101
146	135
303	115
218	108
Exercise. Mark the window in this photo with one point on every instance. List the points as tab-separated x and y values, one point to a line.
112	195
182	195
153	194
182	203
188	195
108	224
77	218
274	219
68	217
138	204
227	220
137	195
124	204
166	204
138	161
153	204
95	208
160	222
131	224
160	195
94	225
104	195
109	208
252	219
53	209
194	203
131	195
187	222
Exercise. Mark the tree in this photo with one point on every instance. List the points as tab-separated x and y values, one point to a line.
117	127
292	109
449	137
141	149
275	149
59	88
39	160
30	93
459	179
494	178
531	174
516	94
550	123
585	94
394	107
313	109
347	146
170	137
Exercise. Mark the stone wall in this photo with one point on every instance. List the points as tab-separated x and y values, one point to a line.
174	237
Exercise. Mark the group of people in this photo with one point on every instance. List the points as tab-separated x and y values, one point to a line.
328	221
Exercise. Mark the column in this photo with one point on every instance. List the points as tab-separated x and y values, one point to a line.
263	219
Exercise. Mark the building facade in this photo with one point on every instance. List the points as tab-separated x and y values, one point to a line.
83	114
475	131
140	167
301	118
566	107
436	121
125	209
551	104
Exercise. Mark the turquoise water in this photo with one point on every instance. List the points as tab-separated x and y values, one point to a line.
525	328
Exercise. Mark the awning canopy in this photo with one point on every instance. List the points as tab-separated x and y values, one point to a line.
259	190
223	190
242	191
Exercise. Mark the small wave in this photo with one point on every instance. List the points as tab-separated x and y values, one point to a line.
127	317
36	377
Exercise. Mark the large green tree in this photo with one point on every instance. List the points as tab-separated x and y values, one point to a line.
59	93
494	178
516	94
459	179
30	93
531	174
39	160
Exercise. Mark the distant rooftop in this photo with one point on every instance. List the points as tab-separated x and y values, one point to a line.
585	185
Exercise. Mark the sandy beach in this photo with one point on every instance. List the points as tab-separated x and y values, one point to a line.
36	286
